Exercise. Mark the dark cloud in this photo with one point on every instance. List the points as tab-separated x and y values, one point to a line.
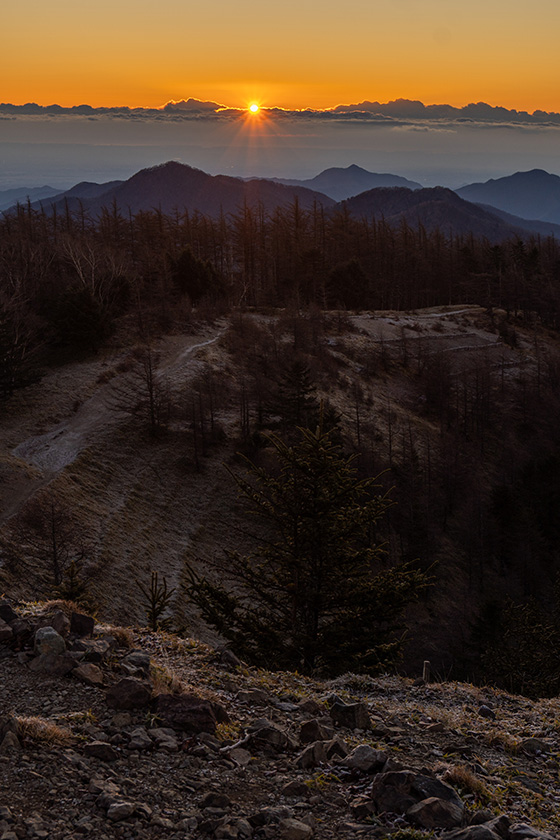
399	111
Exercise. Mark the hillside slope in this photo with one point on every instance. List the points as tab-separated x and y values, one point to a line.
136	734
456	404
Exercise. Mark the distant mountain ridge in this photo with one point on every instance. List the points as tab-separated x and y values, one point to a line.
175	186
21	194
172	187
340	183
531	195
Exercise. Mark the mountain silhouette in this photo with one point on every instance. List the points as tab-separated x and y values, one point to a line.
21	194
173	186
435	207
343	182
532	195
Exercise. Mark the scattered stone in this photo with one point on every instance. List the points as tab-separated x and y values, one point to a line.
6	632
10	744
295	788
266	736
215	799
81	624
165	739
120	811
435	813
140	740
473	832
312	756
487	712
129	693
336	748
101	750
58	620
311	707
315	730
89	674
254	696
291	829
351	716
138	660
48	641
56	665
365	759
7	613
240	756
187	712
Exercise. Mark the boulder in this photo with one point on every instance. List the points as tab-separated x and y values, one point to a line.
81	624
351	715
129	693
315	730
435	813
365	759
312	756
6	632
49	641
101	750
187	713
55	665
89	674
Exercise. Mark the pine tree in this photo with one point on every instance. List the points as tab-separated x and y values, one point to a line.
313	597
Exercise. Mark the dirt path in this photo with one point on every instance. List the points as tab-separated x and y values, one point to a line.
55	449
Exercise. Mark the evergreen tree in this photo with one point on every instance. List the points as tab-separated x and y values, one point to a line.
314	596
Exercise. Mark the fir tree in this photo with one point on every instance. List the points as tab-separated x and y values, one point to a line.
314	597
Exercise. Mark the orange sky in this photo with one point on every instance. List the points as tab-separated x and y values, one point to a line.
296	55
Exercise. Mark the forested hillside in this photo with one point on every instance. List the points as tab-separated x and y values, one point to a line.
138	355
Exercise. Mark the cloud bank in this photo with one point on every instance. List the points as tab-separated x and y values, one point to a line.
398	111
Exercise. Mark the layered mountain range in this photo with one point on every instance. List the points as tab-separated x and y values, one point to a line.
526	202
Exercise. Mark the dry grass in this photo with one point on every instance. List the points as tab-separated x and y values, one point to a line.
39	729
466	782
165	681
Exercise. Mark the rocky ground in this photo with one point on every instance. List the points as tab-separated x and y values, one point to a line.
113	733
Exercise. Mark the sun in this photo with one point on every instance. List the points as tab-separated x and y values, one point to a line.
254	108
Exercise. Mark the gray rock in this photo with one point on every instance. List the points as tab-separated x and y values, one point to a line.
101	750
425	786
487	712
362	807
266	736
351	716
140	740
48	641
291	829
129	693
120	811
435	813
336	748
55	665
315	730
58	620
6	632
188	713
81	624
138	659
89	673
10	744
365	759
312	756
